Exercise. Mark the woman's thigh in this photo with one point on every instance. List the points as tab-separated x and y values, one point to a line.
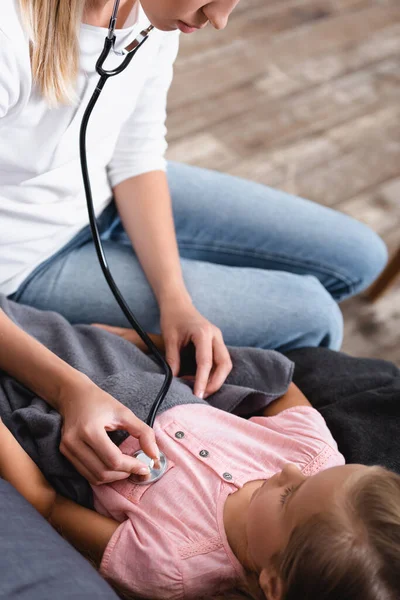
231	221
253	307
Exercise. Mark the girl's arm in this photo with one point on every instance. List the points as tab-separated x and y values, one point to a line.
293	397
17	467
85	529
88	531
131	336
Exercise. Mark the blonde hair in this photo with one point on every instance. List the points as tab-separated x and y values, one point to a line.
243	591
53	30
351	553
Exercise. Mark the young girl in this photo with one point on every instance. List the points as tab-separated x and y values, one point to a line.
265	504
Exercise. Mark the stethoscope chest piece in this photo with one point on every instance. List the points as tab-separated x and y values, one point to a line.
157	468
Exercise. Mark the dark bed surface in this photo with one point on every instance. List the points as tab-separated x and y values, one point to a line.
359	399
38	564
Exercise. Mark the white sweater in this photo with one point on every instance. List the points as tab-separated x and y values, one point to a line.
42	201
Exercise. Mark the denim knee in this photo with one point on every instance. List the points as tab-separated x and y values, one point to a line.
324	317
368	258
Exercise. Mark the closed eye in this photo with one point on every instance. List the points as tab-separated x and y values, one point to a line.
285	494
289	493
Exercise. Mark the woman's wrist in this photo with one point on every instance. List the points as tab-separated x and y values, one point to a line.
173	297
36	367
74	385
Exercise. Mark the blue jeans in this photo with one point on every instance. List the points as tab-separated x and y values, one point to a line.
266	267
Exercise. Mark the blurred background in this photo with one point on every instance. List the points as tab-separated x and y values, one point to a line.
304	95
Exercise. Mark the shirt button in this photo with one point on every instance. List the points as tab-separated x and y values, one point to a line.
204	453
179	435
227	476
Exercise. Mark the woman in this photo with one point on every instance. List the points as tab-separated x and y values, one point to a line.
255	267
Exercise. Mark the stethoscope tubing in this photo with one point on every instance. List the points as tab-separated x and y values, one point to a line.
104	76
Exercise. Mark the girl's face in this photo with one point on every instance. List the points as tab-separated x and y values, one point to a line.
284	501
168	15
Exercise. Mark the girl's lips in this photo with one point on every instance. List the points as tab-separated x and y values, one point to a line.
186	28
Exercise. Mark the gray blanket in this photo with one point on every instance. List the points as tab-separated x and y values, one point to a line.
119	368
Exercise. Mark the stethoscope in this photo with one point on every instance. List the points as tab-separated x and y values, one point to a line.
156	469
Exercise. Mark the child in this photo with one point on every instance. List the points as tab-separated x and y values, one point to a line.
267	499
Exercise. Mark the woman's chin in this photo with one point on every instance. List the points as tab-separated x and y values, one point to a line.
162	25
166	27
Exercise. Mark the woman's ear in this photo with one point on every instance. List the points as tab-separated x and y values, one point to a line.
271	584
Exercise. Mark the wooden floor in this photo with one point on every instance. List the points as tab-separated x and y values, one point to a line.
304	95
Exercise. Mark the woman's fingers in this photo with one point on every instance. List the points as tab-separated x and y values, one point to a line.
101	462
139	430
87	463
110	455
204	361
222	366
79	466
100	457
213	364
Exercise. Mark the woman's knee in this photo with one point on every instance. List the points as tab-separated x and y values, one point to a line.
320	317
367	254
295	311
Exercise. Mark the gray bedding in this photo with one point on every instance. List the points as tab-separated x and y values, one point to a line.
119	368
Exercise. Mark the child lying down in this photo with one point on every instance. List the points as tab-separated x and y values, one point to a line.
264	505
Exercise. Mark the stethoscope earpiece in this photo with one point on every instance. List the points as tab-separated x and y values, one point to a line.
128	53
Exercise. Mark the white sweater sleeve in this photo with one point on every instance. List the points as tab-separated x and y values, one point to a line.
9	76
141	144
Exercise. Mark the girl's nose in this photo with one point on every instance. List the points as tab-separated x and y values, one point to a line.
291	475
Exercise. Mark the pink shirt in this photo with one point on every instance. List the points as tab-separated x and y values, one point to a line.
171	542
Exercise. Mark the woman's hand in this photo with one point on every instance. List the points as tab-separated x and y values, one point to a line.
182	323
88	413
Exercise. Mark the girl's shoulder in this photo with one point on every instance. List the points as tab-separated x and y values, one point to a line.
305	438
300	422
